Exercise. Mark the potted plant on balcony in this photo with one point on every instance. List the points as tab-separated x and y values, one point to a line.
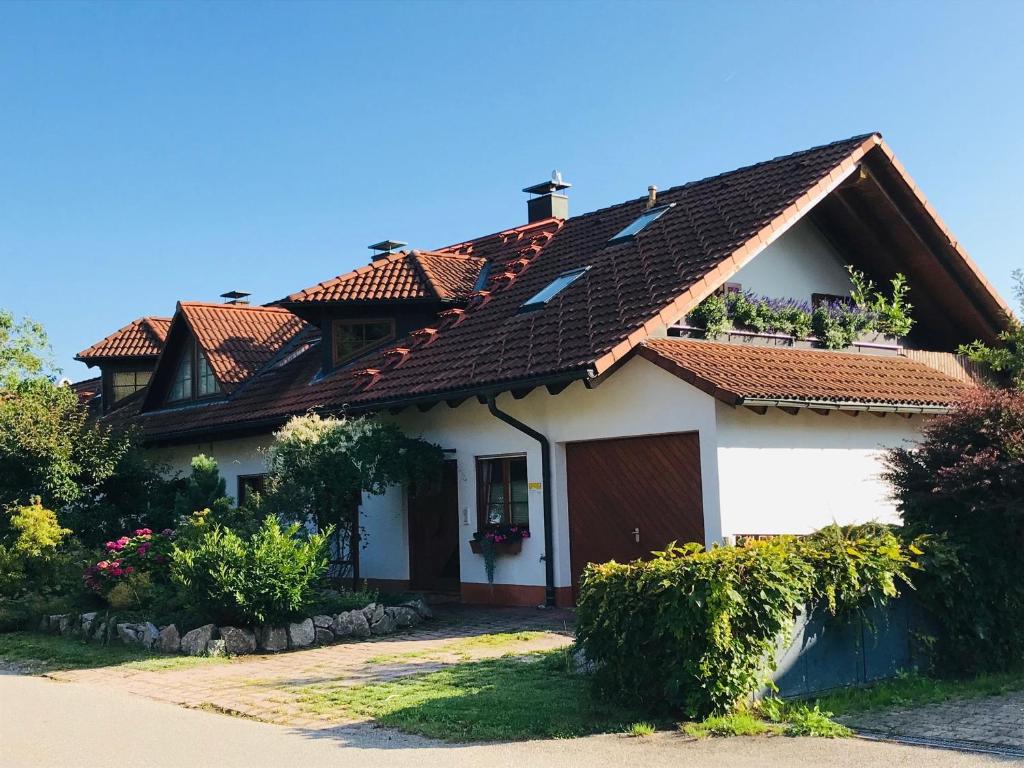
498	540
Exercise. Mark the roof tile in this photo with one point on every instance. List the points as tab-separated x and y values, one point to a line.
140	338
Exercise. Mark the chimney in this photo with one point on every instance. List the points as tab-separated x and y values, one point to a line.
652	196
548	203
385	248
235	297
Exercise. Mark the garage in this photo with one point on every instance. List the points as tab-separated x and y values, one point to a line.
630	496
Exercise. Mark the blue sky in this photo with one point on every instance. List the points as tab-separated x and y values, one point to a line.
151	152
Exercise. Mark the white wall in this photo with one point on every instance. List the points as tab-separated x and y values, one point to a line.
242	456
799	263
794	474
640	399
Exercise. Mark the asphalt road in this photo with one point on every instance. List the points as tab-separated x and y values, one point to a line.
46	723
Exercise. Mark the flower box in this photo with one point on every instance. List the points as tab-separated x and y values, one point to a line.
869	341
512	547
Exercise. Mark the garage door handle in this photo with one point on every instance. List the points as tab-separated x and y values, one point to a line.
636	535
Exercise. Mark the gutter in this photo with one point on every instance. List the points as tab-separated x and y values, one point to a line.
843	405
545	453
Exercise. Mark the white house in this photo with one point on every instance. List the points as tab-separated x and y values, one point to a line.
554	364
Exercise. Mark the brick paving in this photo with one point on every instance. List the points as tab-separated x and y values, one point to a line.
992	722
262	687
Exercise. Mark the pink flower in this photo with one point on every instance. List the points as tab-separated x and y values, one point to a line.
143	532
117	571
123	540
103	565
129	569
144	548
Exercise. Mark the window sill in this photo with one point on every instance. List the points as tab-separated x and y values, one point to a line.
501	548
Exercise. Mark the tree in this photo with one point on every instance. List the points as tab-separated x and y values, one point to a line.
319	467
204	489
962	489
96	480
1008	357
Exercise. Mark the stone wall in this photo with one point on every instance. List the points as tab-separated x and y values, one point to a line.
212	640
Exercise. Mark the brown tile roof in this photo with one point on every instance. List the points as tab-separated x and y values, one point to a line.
401	276
631	291
239	339
735	372
87	389
140	338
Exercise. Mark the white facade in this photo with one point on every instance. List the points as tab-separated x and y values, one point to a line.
760	474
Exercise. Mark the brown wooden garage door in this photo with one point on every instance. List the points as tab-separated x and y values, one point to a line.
645	488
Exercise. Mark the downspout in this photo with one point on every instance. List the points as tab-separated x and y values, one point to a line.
545	463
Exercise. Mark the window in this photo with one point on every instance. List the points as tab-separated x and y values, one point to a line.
483	277
125	383
248	485
194	378
638	226
728	288
354	336
206	383
502	491
555	287
181	387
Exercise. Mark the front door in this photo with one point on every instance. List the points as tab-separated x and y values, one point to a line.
434	534
630	496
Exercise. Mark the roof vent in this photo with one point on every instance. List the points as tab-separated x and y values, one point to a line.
385	248
548	204
236	297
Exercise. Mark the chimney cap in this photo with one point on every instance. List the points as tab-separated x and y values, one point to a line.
556	184
236	297
387	246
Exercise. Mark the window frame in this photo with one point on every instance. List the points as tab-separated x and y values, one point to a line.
134	373
339	360
640	223
192	356
243	489
570	276
482	497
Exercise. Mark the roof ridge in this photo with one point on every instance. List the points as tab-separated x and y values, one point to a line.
853	140
222	305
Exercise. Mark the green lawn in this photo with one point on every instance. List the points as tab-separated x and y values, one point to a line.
461	647
48	653
506	699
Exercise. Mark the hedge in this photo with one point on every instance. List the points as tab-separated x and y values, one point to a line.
694	631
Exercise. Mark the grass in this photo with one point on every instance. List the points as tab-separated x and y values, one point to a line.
508	699
915	690
460	648
773	717
641	729
46	653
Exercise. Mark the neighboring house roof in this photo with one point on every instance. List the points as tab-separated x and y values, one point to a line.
87	389
238	339
738	374
631	290
140	338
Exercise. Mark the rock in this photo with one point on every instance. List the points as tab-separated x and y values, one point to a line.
404	616
169	641
216	648
101	631
88	619
301	634
351	624
323	621
194	642
581	663
385	626
324	636
271	638
374	612
149	636
238	640
129	634
61	623
420	606
44	624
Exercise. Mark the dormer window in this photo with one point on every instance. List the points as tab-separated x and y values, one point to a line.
354	337
638	225
194	378
127	383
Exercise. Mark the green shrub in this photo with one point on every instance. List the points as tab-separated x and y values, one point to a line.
962	489
265	578
694	631
30	548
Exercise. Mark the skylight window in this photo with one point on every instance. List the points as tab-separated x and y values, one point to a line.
555	287
638	226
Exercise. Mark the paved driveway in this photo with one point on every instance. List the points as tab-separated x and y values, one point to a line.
991	723
260	687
